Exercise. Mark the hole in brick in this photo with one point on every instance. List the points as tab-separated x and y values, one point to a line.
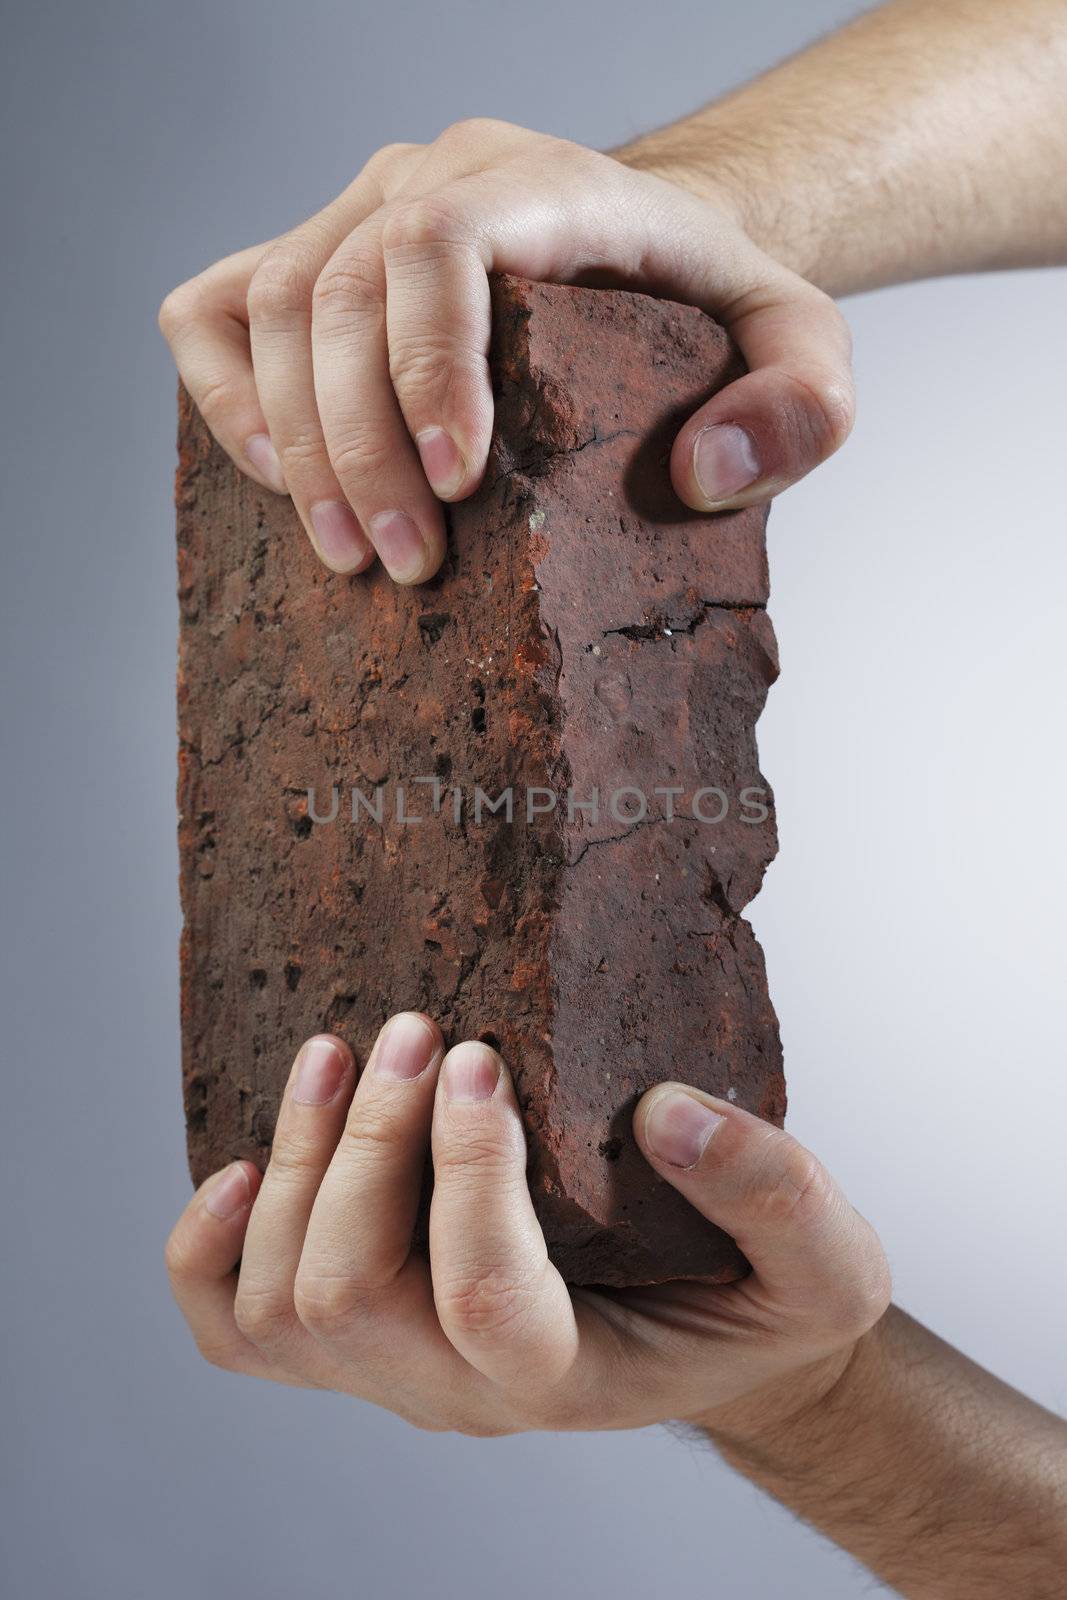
491	1040
478	719
293	973
337	1010
610	1149
302	827
257	978
433	625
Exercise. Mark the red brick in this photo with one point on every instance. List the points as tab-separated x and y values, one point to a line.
587	630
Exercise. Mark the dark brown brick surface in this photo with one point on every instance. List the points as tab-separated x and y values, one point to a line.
587	632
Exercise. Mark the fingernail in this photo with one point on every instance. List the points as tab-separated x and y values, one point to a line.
400	545
230	1193
471	1072
724	461
320	1066
405	1047
264	458
342	543
442	462
678	1128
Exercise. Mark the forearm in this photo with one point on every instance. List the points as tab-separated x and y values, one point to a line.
944	1481
927	137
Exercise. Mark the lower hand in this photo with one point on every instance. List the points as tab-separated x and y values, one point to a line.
484	1337
345	363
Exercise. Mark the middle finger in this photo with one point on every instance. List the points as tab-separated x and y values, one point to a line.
371	451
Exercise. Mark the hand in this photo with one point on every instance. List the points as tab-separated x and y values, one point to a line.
485	1337
345	363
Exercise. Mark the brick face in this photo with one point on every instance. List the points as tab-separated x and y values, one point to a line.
587	633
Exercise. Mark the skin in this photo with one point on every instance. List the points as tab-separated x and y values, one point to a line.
927	137
352	352
484	1336
345	363
945	1481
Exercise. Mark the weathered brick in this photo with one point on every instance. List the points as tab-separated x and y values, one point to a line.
586	632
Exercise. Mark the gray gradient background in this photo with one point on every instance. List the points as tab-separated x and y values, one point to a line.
912	923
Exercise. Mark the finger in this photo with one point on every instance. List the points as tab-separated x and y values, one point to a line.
439	248
751	440
279	315
791	411
360	1291
501	1302
310	1120
405	302
438	319
370	449
202	1254
359	1236
205	323
808	1248
437	297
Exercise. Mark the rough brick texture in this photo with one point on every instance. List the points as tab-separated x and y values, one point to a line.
587	632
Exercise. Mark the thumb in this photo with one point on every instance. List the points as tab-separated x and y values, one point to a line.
809	1250
793	408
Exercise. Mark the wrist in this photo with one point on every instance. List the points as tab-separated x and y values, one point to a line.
716	157
785	1417
689	162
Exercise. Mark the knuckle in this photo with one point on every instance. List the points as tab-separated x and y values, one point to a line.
789	1184
226	1356
326	1307
838	323
468	130
293	1155
181	306
578	159
177	1259
427	220
302	452
483	1156
834	401
828	389
436	364
482	1305
217	397
389	161
361	456
387	154
263	1316
352	281
374	1135
280	288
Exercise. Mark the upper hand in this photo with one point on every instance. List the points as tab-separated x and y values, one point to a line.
345	363
484	1337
